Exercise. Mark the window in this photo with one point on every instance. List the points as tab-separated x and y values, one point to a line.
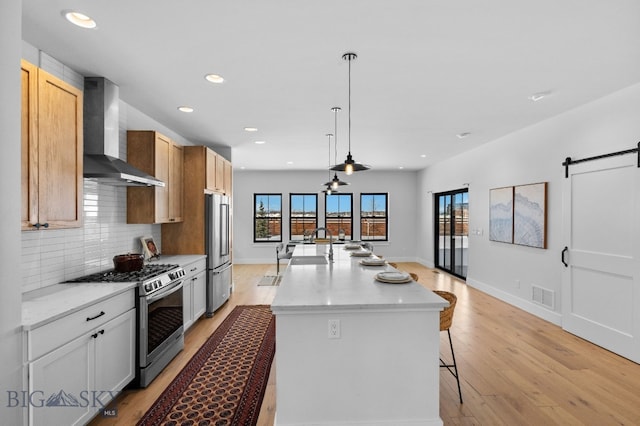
267	217
303	215
373	217
338	217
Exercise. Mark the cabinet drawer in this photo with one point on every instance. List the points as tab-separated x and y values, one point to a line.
193	269
55	334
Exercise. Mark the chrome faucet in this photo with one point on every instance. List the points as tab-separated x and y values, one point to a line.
315	233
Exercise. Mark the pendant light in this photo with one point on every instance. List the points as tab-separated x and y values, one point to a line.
349	166
335	182
329	190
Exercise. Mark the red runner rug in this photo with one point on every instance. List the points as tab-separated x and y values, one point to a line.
224	383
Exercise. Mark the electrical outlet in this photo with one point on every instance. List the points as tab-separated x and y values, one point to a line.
334	329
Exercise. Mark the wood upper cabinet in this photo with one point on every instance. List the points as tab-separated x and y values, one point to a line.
51	151
176	179
218	172
159	156
210	168
200	175
227	179
217	168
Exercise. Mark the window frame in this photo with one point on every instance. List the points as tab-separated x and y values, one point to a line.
255	217
386	216
291	217
340	194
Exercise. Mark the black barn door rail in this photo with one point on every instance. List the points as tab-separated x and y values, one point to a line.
568	161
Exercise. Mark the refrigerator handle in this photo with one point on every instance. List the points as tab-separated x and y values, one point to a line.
224	229
222	270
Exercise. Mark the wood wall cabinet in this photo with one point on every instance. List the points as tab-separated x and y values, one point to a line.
159	156
200	175
51	151
218	172
228	173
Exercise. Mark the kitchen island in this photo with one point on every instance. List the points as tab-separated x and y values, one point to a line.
352	350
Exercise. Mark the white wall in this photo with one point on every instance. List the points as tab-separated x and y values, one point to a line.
11	373
534	154
401	187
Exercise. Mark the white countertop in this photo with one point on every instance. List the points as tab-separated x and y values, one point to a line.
345	284
47	304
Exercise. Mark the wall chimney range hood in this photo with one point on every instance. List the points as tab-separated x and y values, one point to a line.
101	138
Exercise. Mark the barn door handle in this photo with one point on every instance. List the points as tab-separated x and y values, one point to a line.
564	251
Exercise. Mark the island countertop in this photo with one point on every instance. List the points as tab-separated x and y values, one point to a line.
346	284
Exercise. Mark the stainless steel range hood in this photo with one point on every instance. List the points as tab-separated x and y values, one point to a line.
101	139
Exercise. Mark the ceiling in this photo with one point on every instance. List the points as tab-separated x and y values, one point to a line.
427	70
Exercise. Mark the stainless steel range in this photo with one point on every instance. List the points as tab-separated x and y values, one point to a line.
159	305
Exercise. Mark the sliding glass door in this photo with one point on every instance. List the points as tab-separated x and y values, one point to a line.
452	231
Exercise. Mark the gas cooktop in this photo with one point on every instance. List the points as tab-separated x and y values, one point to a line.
112	276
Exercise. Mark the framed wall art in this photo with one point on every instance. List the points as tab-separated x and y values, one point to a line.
501	214
530	215
149	248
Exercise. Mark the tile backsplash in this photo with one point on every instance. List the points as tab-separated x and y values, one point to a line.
53	256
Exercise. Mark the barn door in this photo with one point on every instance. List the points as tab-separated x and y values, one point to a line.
601	272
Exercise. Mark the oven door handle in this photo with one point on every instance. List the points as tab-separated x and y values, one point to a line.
165	293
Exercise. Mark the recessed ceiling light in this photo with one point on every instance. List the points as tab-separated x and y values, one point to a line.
214	78
250	129
79	19
401	167
289	162
463	135
185	109
260	142
538	96
423	155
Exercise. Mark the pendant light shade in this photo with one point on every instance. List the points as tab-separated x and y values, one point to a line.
349	166
335	183
329	185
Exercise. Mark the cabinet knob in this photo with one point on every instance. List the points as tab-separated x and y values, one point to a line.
95	335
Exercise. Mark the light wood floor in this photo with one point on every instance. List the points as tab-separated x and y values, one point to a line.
515	369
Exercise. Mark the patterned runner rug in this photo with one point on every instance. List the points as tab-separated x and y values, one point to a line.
224	382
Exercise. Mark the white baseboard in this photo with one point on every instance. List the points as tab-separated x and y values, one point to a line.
525	305
426	263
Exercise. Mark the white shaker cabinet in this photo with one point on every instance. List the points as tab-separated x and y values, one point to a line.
200	295
194	291
78	363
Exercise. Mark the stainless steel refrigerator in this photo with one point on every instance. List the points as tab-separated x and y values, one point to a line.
218	231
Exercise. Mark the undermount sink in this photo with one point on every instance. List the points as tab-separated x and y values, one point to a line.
308	260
